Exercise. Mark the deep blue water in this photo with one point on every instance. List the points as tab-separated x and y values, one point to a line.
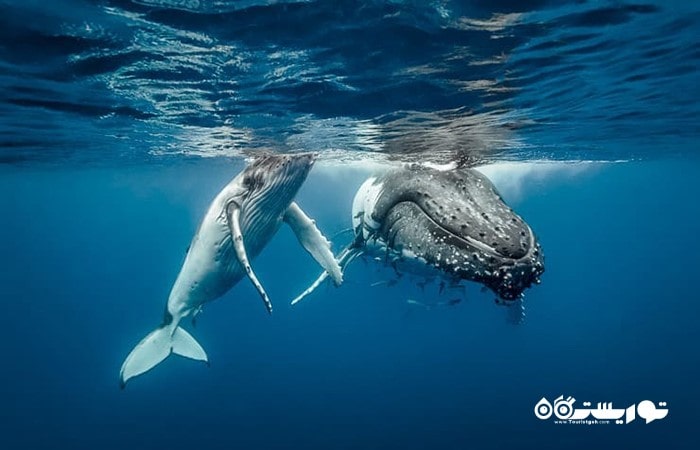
121	120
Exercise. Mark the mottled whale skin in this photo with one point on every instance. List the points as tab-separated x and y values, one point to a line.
448	223
240	221
453	221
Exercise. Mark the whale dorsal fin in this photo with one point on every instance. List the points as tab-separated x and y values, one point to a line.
233	212
311	238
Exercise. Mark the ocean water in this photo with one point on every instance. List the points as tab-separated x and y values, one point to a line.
121	120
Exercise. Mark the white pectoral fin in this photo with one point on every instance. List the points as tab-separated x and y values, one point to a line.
234	223
321	278
313	241
345	258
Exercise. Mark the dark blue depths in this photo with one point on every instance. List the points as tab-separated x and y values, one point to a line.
92	254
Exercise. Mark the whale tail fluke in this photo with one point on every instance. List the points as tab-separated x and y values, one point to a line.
157	346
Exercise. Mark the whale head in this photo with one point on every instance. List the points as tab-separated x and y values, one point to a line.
271	182
453	221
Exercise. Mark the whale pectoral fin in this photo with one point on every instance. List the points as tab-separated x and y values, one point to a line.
313	241
345	258
234	215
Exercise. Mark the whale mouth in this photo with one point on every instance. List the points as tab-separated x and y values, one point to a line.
457	223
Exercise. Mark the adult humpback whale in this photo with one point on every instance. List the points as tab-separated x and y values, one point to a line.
452	224
239	223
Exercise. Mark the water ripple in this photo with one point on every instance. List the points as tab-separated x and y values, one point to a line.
400	80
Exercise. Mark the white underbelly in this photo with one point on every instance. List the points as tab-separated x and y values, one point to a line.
211	267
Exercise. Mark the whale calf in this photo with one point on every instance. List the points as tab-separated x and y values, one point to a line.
240	221
451	224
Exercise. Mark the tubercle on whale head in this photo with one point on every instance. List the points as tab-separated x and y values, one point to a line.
511	280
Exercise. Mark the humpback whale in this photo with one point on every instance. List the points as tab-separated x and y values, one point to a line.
447	223
240	221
